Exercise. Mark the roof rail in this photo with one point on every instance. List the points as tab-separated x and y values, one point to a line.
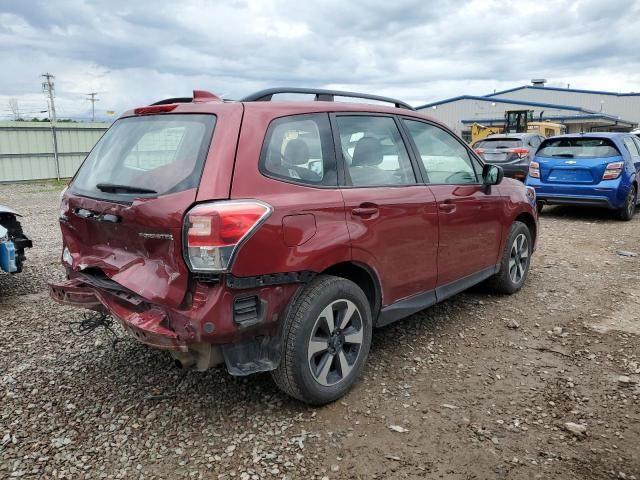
321	96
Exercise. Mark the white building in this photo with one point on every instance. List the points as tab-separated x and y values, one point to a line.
579	110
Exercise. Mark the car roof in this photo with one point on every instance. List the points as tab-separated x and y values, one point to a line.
518	136
612	135
292	107
284	108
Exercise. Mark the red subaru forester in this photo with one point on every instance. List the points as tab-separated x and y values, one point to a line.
276	235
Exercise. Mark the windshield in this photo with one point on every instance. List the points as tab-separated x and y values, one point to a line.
146	156
499	143
580	147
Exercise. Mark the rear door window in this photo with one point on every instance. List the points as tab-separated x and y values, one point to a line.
444	158
578	147
146	155
535	141
373	151
298	149
632	147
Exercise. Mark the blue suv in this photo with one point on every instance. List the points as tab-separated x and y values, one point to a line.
588	169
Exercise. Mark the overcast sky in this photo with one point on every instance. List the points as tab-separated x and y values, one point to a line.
134	52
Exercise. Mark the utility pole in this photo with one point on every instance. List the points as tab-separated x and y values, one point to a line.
48	88
92	98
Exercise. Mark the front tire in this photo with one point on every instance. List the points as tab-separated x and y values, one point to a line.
515	262
629	209
325	341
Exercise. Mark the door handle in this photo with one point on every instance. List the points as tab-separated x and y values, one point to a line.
364	211
447	206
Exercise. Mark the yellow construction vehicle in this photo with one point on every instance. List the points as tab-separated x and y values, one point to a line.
548	129
479	131
517	121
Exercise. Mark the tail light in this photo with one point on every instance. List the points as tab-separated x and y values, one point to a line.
534	170
479	151
519	152
214	232
613	171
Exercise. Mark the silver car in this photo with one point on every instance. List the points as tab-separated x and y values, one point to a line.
512	151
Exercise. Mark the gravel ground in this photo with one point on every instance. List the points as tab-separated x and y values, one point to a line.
542	384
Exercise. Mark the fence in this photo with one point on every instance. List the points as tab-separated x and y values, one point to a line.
26	149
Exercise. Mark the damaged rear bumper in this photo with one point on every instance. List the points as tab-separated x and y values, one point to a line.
148	326
203	334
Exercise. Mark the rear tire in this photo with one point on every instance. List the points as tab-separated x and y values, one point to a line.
629	209
325	341
539	206
515	261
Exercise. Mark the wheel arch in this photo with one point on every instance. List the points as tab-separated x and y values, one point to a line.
531	224
364	277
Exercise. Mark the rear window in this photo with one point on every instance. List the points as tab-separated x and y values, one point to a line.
581	147
499	143
146	156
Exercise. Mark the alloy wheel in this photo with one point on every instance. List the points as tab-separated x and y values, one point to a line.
519	258
335	342
631	202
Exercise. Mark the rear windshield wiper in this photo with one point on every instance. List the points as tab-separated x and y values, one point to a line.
115	188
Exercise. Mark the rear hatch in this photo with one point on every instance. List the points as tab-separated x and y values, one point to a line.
501	149
122	214
576	160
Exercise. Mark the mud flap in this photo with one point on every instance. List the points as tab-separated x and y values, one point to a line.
260	354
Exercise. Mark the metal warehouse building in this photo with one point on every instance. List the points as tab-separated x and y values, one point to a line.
579	110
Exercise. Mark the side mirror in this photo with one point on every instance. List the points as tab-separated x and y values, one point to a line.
492	174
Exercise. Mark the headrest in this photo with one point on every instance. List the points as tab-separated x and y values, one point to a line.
296	152
368	151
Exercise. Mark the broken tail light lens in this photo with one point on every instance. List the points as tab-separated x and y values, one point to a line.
613	171
534	170
215	231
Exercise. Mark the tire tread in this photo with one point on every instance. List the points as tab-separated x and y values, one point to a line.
284	375
500	282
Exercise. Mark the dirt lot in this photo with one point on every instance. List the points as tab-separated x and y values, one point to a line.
480	386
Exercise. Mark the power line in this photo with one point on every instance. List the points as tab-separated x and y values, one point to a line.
92	98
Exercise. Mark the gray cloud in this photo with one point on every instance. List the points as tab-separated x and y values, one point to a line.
134	52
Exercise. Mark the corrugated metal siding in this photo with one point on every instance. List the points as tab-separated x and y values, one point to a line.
452	113
26	149
627	107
